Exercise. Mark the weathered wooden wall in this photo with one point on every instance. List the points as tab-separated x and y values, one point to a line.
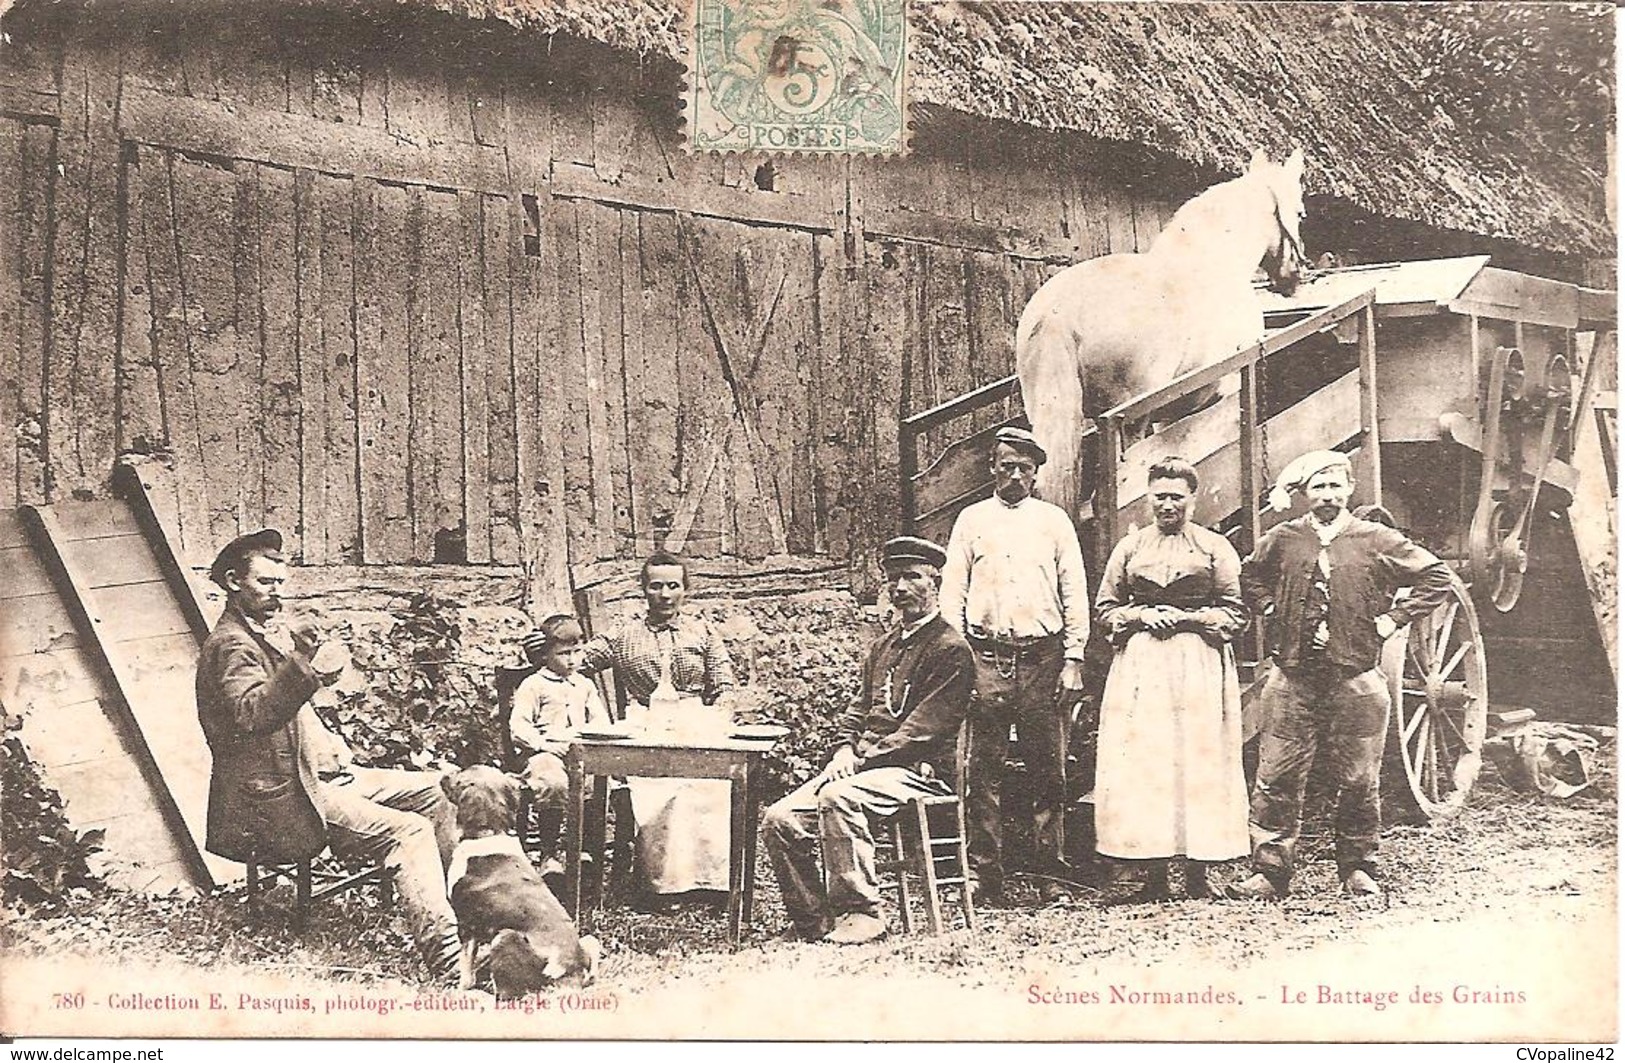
419	293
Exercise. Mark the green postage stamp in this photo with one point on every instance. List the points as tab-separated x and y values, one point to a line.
814	76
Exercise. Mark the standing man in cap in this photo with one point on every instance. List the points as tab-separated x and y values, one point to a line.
282	785
1324	584
1014	585
897	742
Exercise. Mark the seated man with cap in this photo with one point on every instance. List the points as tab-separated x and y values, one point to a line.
282	785
1324	584
1014	586
898	741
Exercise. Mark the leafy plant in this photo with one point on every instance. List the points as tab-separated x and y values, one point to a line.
416	699
45	858
798	660
423	688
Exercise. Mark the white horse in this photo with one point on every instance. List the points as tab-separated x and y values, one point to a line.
1102	331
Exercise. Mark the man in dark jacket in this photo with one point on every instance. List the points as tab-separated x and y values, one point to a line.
282	785
1324	584
897	742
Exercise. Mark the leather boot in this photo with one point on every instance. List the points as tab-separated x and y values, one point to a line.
1196	887
1153	891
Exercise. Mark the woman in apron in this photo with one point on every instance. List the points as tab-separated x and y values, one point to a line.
675	670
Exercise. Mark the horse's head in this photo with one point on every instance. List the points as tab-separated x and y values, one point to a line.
1284	259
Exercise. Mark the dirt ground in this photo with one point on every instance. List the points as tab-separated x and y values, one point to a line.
1507	912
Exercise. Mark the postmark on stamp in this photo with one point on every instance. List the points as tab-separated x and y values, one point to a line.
807	76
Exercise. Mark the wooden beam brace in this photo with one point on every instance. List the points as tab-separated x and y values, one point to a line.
714	577
1603	349
986	395
29	105
129	484
1370	446
580	181
921	227
209	127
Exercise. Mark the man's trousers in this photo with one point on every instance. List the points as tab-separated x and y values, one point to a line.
835	819
1343	717
1016	687
402	819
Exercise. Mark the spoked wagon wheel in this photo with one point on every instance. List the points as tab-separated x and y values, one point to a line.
1440	695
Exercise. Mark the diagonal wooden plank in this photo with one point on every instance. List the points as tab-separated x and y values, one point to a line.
688	506
742	389
177	785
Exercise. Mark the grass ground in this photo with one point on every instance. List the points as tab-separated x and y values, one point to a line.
1513	886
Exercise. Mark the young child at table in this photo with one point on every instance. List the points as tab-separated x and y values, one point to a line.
549	704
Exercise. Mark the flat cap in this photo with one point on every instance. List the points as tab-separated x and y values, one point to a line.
909	548
1023	441
264	541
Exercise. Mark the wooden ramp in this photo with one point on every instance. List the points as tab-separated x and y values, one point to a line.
98	651
1232	467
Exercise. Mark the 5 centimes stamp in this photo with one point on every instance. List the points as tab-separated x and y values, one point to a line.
816	76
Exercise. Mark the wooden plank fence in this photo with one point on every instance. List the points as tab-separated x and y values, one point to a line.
438	303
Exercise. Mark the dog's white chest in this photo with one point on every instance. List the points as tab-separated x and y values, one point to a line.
469	848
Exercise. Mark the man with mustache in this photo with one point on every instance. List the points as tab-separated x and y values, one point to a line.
897	742
282	785
1014	585
1324	584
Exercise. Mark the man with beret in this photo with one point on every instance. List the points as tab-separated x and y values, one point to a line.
1324	584
1014	585
282	785
897	742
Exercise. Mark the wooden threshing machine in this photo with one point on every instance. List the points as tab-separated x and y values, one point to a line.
1478	406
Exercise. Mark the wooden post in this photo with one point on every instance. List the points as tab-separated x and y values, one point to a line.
1107	429
1370	443
1251	524
908	460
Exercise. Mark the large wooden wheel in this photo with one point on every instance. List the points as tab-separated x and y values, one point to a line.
1440	693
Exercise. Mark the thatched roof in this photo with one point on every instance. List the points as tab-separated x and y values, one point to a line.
1200	84
1205	84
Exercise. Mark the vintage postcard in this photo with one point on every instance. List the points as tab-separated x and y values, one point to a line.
808	520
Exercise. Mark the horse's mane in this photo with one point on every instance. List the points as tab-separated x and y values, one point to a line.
1207	220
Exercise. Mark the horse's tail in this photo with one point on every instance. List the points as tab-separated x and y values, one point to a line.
1052	392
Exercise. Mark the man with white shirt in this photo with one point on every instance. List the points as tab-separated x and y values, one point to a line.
1324	585
282	785
1014	585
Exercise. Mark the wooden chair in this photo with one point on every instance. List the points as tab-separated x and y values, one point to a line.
926	840
316	878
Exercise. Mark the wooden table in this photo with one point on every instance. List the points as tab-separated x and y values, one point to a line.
645	757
